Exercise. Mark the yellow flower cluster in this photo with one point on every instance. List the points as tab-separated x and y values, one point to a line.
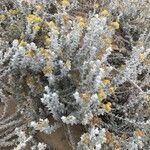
30	53
23	43
107	106
101	94
105	13
86	138
115	25
108	42
141	56
68	64
81	21
13	12
47	40
33	18
85	96
39	7
96	5
36	27
65	18
147	97
44	52
2	17
53	26
65	2
112	89
106	82
47	69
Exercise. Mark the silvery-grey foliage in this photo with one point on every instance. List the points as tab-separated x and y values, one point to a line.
75	63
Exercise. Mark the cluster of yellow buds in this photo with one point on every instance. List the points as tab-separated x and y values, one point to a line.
141	56
23	43
107	106
36	27
65	18
39	7
108	42
33	18
112	89
30	53
147	97
101	94
44	52
96	5
47	40
12	12
2	17
122	67
53	26
106	82
65	3
105	13
115	25
85	96
81	21
85	138
47	69
68	64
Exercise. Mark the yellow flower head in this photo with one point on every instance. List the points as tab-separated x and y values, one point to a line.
115	25
36	28
23	43
68	64
96	5
107	106
39	7
44	52
108	41
33	18
47	40
30	53
101	94
81	21
85	96
65	18
105	13
2	17
13	12
65	2
106	81
112	89
147	97
122	67
86	138
47	69
141	56
53	26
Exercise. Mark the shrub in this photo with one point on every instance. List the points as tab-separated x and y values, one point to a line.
75	63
